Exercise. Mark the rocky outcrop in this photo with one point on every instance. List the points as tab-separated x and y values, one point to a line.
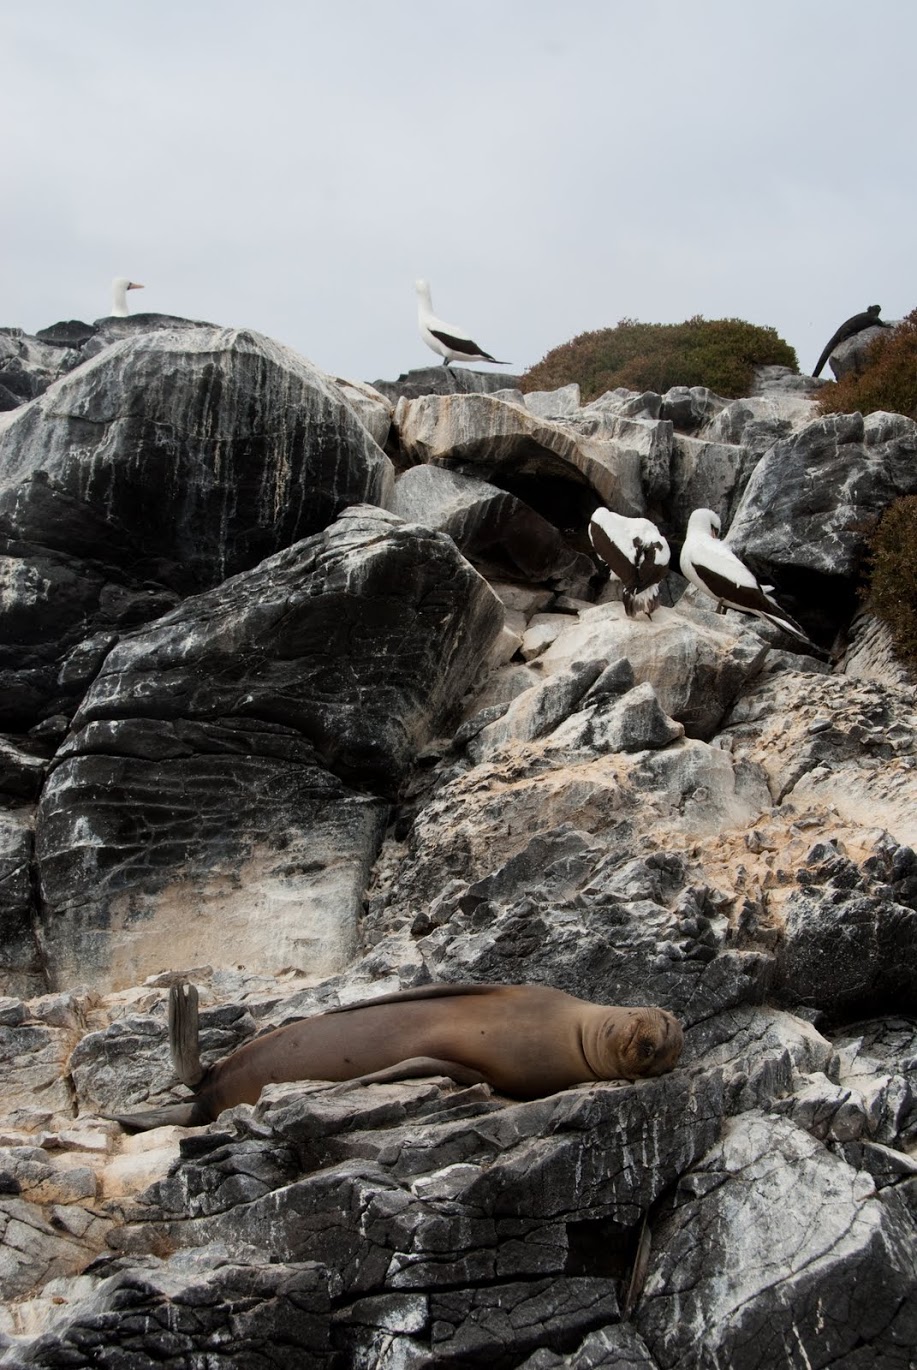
244	716
170	461
444	380
808	536
187	455
354	767
29	365
850	356
506	445
738	1285
490	527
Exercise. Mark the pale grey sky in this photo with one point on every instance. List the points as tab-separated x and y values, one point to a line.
550	167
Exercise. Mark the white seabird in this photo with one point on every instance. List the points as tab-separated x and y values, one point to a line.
712	567
452	343
119	288
636	554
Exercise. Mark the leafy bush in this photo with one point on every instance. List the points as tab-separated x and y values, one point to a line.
893	589
718	353
888	382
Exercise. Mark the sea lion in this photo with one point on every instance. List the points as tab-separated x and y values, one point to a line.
526	1041
849	328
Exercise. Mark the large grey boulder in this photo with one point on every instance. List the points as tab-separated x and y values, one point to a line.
803	521
851	357
508	446
488	525
776	1253
189	455
828	742
29	365
215	782
850	933
216	1307
170	461
706	475
697	666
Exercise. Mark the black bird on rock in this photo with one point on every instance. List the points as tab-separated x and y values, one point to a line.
635	553
868	319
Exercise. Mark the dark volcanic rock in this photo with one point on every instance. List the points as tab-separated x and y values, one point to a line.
362	638
445	380
28	366
20	968
202	1308
187	456
171	461
776	1253
199	788
812	500
488	524
67	333
849	945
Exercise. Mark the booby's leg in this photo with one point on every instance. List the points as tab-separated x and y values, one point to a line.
445	361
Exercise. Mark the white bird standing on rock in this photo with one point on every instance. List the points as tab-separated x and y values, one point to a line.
712	567
635	553
119	288
452	343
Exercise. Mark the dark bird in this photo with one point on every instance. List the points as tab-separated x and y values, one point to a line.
868	319
714	568
452	343
635	553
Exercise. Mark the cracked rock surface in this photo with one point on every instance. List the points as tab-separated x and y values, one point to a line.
313	737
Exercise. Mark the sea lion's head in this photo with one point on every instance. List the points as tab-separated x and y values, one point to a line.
637	1042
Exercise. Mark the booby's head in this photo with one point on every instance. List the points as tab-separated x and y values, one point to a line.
423	289
119	288
705	521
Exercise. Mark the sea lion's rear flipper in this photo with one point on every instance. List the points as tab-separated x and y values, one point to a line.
183	1034
414	1068
174	1115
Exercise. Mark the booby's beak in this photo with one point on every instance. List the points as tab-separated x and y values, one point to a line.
133	285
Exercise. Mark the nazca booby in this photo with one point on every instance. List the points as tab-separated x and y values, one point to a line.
636	554
119	288
452	343
714	568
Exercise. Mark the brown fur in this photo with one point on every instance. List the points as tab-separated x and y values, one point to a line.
527	1041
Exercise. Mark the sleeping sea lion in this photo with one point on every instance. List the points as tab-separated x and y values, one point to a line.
524	1040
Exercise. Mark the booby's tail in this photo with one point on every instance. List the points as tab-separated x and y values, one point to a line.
779	617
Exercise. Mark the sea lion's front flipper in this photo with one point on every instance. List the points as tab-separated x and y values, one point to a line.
415	1067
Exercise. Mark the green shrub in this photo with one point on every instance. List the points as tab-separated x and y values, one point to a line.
892	592
718	353
889	380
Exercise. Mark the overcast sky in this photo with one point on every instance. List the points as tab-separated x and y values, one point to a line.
550	167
